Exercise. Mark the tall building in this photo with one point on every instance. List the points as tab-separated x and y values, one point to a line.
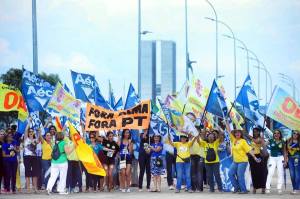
148	70
158	69
168	68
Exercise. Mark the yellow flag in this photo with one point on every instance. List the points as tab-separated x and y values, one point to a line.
86	154
11	99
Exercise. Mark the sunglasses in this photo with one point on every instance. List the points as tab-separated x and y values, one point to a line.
92	137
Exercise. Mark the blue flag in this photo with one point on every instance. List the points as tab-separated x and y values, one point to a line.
84	86
132	98
167	112
248	100
216	103
119	105
36	91
100	101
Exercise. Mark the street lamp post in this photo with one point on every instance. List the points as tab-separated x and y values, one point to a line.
216	17
291	80
266	79
34	38
139	47
234	48
187	58
245	47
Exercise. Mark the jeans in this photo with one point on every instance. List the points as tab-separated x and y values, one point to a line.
170	159
213	172
10	168
272	164
183	168
237	175
294	167
46	164
197	167
144	164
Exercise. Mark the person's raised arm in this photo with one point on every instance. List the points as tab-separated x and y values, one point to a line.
170	140
27	128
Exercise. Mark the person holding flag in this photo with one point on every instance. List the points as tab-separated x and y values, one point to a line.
212	161
126	148
240	149
259	170
183	161
59	165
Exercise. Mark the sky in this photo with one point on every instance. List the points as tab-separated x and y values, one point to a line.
99	37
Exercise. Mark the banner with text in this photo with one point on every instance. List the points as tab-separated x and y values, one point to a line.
11	99
64	103
137	117
284	109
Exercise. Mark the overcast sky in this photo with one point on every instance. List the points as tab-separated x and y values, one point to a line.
100	37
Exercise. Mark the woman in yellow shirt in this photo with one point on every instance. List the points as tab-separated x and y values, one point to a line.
46	156
212	161
239	150
183	163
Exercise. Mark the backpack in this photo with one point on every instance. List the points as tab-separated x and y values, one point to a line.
55	152
210	155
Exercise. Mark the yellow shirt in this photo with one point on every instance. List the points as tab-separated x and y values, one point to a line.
239	149
255	147
214	145
183	150
196	149
46	150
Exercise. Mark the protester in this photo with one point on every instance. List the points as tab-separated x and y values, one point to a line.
144	160
259	170
156	162
293	149
126	149
212	161
30	157
110	158
277	160
10	149
74	175
240	149
2	135
46	155
197	164
59	165
171	167
183	162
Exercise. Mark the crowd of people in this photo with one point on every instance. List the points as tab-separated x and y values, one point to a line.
51	162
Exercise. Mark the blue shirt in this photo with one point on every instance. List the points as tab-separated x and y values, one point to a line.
157	154
8	149
97	147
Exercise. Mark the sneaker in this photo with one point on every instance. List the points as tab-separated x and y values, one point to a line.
190	191
48	192
123	190
171	187
279	191
293	192
177	191
63	193
268	191
140	190
128	190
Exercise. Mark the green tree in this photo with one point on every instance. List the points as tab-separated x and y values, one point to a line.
12	77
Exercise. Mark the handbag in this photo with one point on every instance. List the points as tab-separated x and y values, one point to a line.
158	162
